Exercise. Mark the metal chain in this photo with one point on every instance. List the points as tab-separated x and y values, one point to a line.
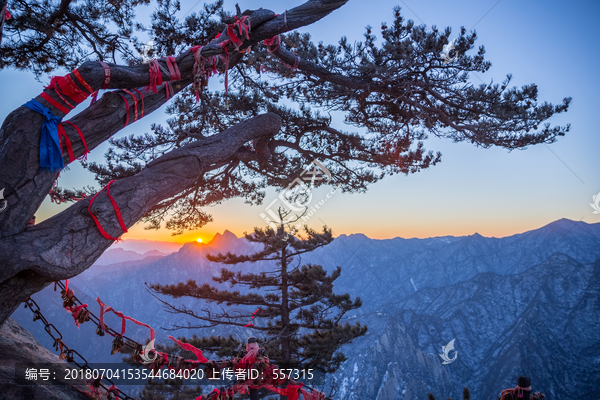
133	344
69	353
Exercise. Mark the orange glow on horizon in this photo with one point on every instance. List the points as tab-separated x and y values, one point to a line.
410	230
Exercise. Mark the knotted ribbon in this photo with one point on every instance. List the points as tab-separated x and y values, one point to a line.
186	346
291	390
104	309
243	25
155	75
50	153
117	212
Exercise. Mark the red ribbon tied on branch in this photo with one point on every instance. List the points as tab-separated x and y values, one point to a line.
155	75
174	75
243	25
272	43
117	212
251	318
105	82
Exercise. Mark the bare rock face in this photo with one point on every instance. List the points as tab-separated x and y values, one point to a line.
19	346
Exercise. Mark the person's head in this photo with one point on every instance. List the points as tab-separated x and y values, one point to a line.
251	344
524	387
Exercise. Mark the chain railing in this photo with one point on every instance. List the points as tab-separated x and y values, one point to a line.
68	354
120	340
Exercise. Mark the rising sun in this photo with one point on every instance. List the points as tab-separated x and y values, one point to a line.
199	240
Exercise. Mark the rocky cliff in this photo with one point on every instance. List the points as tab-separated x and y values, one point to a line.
19	346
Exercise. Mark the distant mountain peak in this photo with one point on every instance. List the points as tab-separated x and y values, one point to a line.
354	236
562	223
142	246
229	234
224	239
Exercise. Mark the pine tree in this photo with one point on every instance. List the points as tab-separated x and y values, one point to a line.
297	313
393	89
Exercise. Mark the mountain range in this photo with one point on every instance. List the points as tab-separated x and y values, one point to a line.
524	304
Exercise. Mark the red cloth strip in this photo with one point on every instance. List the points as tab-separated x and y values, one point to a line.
62	135
198	59
173	69
80	135
272	44
142	97
123	317
65	85
186	346
75	312
69	105
135	103
291	391
155	75
248	360
95	390
54	85
82	81
251	318
305	394
54	103
94	97
126	109
105	82
114	391
107	75
174	75
243	25
117	211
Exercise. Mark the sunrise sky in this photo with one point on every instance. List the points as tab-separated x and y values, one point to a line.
493	192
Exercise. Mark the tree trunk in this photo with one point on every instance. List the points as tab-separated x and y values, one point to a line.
285	314
68	243
285	311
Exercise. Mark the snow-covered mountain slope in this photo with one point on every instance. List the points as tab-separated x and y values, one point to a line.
528	303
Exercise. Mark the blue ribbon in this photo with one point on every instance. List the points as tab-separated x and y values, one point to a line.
50	154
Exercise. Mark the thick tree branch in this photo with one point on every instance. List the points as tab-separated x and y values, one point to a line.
26	186
68	243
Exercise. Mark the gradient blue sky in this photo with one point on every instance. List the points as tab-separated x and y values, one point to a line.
493	192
